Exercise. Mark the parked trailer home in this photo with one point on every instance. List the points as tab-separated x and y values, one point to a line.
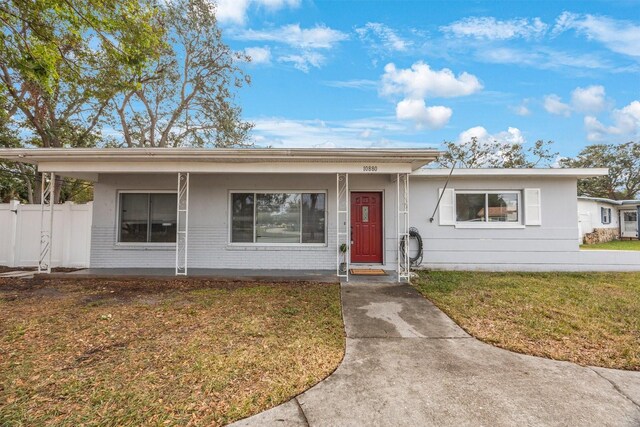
319	209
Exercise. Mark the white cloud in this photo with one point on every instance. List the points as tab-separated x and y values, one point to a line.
617	35
490	28
259	55
304	61
522	109
548	59
431	117
421	81
626	124
318	37
596	131
382	38
554	105
510	136
627	119
589	99
365	133
303	46
235	11
369	132
353	84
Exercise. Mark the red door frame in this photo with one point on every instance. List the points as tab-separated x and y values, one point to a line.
367	233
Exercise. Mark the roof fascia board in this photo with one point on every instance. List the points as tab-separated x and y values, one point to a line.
609	201
549	172
170	154
219	167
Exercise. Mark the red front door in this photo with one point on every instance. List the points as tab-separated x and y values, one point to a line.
366	227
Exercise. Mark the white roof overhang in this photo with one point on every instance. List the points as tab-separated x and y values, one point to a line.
610	201
87	163
503	173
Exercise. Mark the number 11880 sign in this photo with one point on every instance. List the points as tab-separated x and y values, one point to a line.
370	168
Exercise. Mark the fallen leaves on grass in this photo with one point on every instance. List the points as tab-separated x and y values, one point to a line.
170	352
586	318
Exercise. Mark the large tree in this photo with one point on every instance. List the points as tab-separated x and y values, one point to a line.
623	162
186	98
61	61
495	154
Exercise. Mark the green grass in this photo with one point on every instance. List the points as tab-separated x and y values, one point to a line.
616	245
586	318
149	353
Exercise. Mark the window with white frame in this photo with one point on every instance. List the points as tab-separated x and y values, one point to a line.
605	215
483	207
147	218
278	218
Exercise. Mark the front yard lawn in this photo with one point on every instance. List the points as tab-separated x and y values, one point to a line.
615	245
586	318
160	352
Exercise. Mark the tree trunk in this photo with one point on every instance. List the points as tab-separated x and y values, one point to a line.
37	194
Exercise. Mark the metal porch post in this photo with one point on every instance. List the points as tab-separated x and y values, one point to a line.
343	223
182	224
402	223
47	197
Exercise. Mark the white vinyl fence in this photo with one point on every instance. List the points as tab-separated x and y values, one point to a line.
20	235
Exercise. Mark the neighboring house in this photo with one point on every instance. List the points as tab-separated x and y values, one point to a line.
296	209
602	220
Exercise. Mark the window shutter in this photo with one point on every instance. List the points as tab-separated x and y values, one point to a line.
532	206
446	208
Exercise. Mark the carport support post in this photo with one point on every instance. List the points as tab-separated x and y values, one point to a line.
47	197
182	224
402	198
343	224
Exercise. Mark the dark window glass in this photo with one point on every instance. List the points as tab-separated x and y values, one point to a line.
163	217
470	207
313	217
147	218
242	217
134	217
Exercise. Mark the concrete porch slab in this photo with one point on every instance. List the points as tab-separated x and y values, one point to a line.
322	276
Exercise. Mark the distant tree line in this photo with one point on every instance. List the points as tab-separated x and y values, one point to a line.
622	160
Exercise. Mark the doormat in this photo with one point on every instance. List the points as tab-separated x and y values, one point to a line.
367	272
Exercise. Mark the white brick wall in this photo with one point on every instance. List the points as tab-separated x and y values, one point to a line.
208	224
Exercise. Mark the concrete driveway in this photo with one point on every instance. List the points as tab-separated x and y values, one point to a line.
408	364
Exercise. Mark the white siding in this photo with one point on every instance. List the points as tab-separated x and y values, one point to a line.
589	216
209	222
538	247
550	246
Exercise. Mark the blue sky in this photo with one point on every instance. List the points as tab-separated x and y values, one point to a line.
417	73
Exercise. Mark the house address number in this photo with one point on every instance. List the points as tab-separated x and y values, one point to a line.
370	168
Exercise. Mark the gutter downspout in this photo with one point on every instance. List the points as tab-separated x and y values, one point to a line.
442	193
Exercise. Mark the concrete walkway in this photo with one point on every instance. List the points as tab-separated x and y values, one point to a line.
408	364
